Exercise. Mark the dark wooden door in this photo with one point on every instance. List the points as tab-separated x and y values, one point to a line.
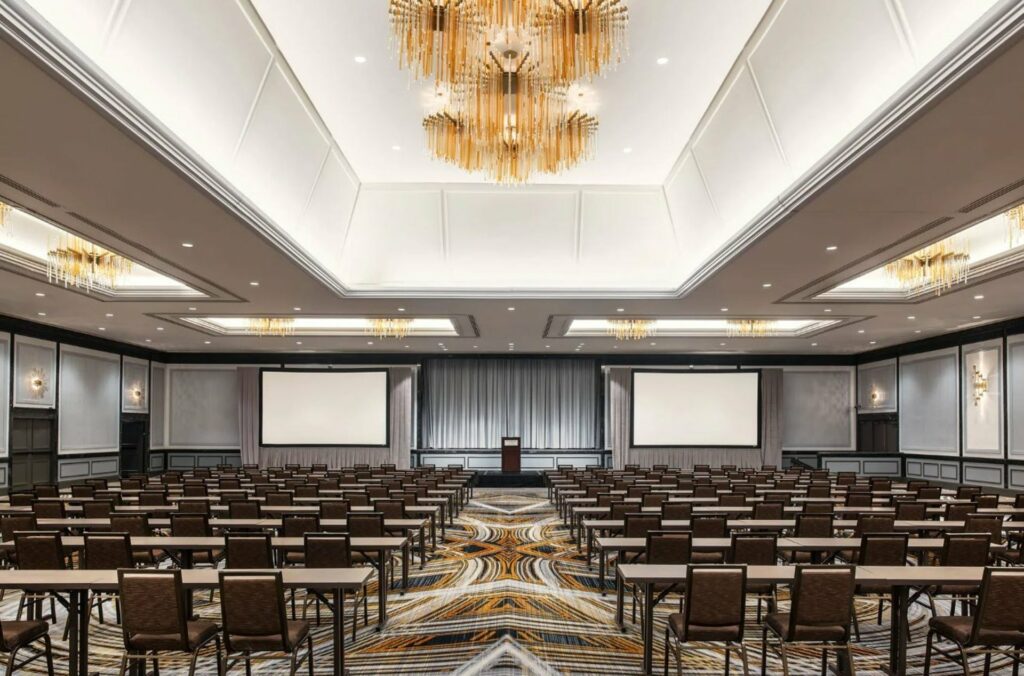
134	440
31	452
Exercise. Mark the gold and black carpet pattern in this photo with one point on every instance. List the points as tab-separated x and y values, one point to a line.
507	592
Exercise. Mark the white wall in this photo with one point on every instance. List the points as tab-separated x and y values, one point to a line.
198	407
90	402
983	415
818	408
929	403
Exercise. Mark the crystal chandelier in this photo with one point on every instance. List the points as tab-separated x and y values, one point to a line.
271	326
751	328
940	265
631	329
1015	221
5	211
440	39
389	327
76	262
579	39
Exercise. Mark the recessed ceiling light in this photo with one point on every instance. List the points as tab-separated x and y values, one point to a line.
615	347
396	148
150	341
40	294
911	317
407	347
872	342
159	328
828	309
369	342
103	328
206	342
187	245
360	59
725	309
298	342
110	314
860	330
401	309
814	345
511	309
476	347
191	309
831	247
41	314
627	150
620	309
653	343
979	297
766	285
296	309
721	345
917	330
254	283
662	60
976	317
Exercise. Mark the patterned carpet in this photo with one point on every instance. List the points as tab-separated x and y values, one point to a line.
507	593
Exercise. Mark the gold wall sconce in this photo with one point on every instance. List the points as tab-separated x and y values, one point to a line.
979	384
37	383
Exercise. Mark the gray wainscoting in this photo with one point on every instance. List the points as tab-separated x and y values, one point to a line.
79	469
867	466
492	461
3	474
936	470
185	460
983	474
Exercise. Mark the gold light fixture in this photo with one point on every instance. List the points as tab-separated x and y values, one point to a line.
980	384
1015	223
440	39
5	211
37	384
389	327
136	393
750	328
631	329
941	265
76	262
579	39
271	326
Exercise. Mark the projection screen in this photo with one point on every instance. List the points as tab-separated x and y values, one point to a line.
696	409
324	407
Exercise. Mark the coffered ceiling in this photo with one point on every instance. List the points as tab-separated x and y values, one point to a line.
774	130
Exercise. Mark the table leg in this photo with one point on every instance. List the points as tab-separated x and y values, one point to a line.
620	599
423	548
405	567
648	626
83	632
433	532
382	591
898	631
602	562
590	546
73	634
339	632
186	564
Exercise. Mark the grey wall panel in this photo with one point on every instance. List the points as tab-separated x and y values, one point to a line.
878	378
158	404
937	470
156	462
135	386
817	410
982	409
1015	477
3	476
1015	396
203	408
985	474
34	357
90	401
5	392
841	465
867	466
79	469
184	460
929	403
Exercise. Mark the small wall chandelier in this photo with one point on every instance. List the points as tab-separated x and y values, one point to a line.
76	262
631	329
1015	224
751	328
271	326
979	384
941	265
389	327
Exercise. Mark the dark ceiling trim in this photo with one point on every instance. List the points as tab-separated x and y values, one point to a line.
975	334
29	329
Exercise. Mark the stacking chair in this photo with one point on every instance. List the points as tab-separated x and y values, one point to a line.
82	491
331	550
251	551
809	526
106	551
152	498
958	549
768	511
638	525
911	511
48	509
996	628
17	634
676	511
714	611
255	621
708	526
820	611
370	524
335	509
154	619
278	499
869	523
39	550
243	509
194	507
136	525
97	509
11	524
879	549
668	548
196	526
296	526
757	549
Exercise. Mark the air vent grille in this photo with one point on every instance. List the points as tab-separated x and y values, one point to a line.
87	221
966	209
31	193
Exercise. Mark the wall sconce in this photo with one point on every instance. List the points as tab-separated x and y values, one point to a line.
980	384
877	396
37	383
136	393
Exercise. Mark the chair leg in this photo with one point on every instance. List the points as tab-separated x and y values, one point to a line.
666	650
849	658
309	655
966	664
928	655
743	658
824	660
10	661
49	654
248	665
124	664
192	663
785	658
764	649
728	654
988	663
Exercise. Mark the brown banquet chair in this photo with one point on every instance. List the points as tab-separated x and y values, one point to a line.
331	550
714	611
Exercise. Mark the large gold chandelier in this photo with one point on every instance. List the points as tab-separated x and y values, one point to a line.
631	329
941	265
439	39
390	327
5	211
751	328
271	326
578	39
1015	221
76	262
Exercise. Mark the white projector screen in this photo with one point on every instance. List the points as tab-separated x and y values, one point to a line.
696	408
324	408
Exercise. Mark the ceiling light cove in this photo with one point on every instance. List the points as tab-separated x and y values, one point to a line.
689	328
380	327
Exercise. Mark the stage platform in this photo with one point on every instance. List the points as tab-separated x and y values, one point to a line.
510	480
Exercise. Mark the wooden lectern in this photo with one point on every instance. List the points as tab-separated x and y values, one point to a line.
511	448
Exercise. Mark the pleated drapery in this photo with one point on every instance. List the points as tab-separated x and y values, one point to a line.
770	452
401	429
472	403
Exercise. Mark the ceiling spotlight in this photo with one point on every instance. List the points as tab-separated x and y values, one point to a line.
976	317
369	342
724	309
360	59
662	60
814	345
653	344
511	309
872	342
766	285
41	314
298	342
721	345
860	330
191	309
187	245
831	247
620	309
205	342
109	314
911	317
150	341
254	283
917	330
396	148
407	346
828	309
979	297
401	309
103	328
159	328
627	150
296	309
40	294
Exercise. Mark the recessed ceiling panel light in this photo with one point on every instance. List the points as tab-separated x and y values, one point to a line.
511	309
298	342
860	330
206	342
192	309
159	328
976	317
653	343
297	309
766	285
401	309
109	314
103	328
369	342
911	317
814	345
872	342
41	314
620	309
917	330
662	60
150	341
828	309
725	309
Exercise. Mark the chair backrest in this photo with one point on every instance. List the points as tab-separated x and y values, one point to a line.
814	525
985	523
194	507
252	605
754	549
306	491
335	509
822	596
107	551
278	499
669	547
243	509
638	524
703	491
911	511
768	510
49	509
152	498
190	525
965	549
250	550
929	492
959	512
327	550
676	511
819	508
152	604
998	620
883	549
97	509
819	491
874	523
391	509
195	490
229	483
39	550
297	525
859	500
619	509
986	501
715	599
134	524
708	526
366	524
46	490
653	499
22	499
82	491
732	500
131	484
963	492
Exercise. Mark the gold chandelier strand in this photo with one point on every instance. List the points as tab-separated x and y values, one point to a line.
272	326
76	262
580	39
940	266
1015	224
631	329
751	328
5	212
389	327
440	39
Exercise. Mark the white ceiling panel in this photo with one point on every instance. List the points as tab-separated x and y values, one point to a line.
934	24
823	67
696	222
738	155
158	46
85	22
394	239
280	168
626	239
326	218
535	231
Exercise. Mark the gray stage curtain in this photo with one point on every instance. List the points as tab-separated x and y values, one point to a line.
398	453
472	403
770	453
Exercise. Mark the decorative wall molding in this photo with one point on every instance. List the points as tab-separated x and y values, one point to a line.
134	385
929	409
5	393
79	469
89	411
877	387
933	470
35	373
982	406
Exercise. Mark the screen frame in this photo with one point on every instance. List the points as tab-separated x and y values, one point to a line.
632	406
387	406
